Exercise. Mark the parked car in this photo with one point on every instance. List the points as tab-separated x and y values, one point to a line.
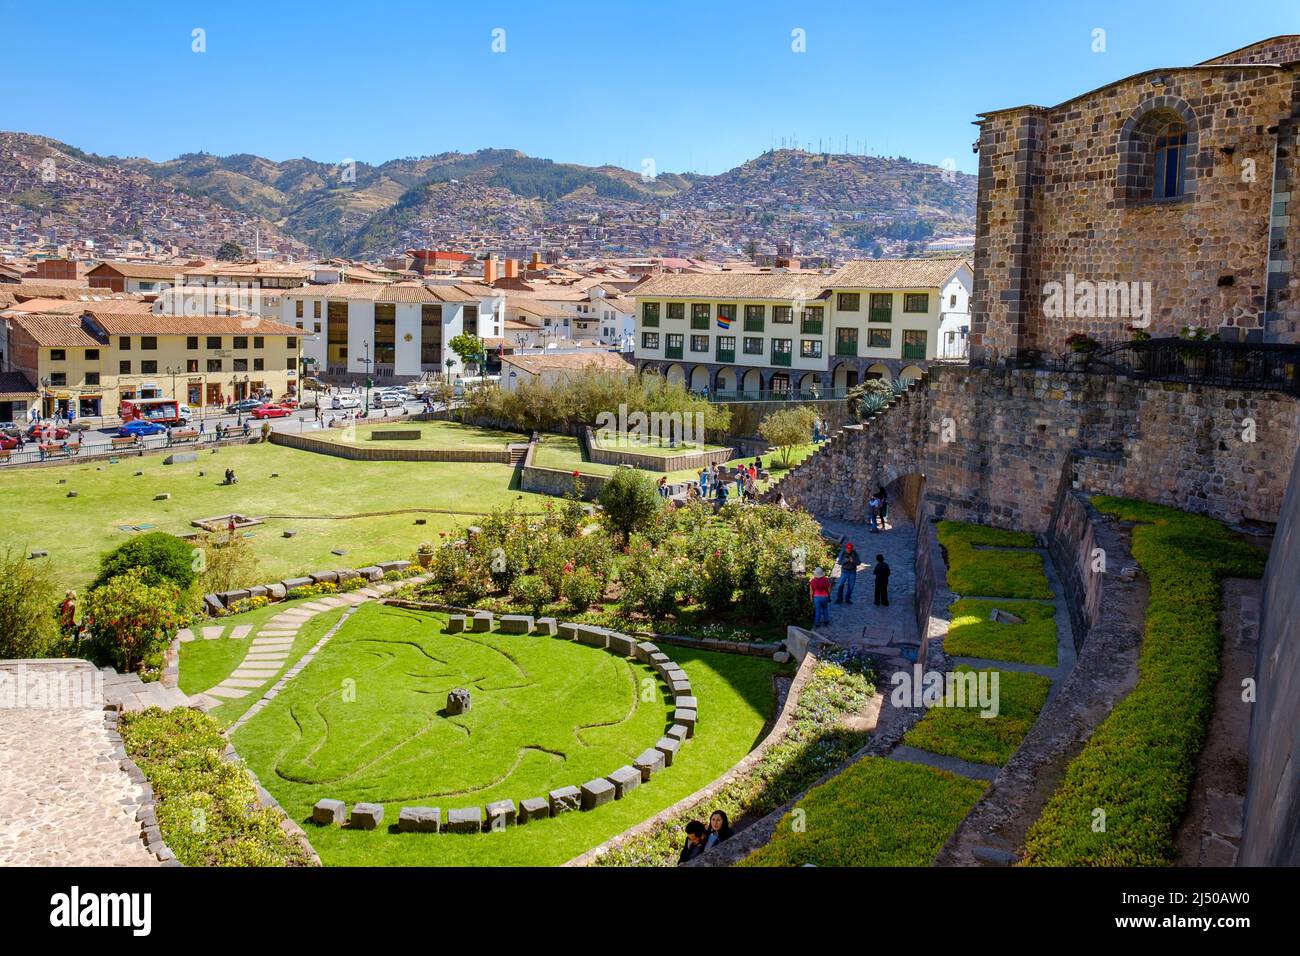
287	402
8	442
271	411
10	428
38	432
315	384
388	400
247	405
139	428
345	401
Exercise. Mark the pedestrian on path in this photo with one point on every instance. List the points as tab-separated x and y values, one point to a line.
884	505
873	511
695	834
881	571
848	562
820	589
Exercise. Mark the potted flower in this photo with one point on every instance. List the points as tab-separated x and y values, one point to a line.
1195	359
1082	348
424	554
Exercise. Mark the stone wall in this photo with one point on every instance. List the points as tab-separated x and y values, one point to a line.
1065	190
1271	836
648	462
993	445
747	416
359	451
1071	541
553	481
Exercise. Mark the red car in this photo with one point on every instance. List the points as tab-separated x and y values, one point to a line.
7	442
38	433
287	403
271	411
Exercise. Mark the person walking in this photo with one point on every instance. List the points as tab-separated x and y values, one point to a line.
873	512
820	589
884	505
848	562
881	571
704	482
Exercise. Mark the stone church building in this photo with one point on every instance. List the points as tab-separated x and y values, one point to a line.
1157	202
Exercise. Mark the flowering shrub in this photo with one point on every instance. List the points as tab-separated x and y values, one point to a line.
582	589
246	604
308	590
532	592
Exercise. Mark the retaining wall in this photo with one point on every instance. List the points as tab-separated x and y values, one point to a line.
695	460
359	451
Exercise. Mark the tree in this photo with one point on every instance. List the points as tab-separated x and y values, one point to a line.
788	427
29	598
228	563
469	347
163	557
230	252
630	500
132	618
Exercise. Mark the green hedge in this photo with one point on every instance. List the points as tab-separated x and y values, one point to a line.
1139	765
1006	574
207	806
879	812
972	634
962	732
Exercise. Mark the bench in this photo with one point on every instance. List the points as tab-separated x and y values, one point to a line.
4	455
188	434
123	441
61	450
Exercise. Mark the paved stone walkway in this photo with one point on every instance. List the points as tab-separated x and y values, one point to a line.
64	801
269	650
861	623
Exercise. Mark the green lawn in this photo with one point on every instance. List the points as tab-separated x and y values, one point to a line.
449	435
76	531
362	723
651	445
205	663
980	572
963	732
972	634
879	812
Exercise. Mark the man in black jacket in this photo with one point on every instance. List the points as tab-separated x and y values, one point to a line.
695	833
881	571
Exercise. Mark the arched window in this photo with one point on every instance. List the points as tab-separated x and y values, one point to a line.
1169	160
1157	153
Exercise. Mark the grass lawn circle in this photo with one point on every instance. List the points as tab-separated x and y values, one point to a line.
366	723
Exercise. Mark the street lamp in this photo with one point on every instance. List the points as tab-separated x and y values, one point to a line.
173	372
366	410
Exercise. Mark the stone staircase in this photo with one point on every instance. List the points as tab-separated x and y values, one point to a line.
128	692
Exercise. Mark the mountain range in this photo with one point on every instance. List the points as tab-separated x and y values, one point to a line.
492	198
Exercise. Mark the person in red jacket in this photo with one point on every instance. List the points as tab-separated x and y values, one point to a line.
820	589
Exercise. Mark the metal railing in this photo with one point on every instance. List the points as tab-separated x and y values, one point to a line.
1243	365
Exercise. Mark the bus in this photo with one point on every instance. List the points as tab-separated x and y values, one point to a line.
164	411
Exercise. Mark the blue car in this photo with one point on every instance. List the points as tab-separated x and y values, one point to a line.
140	428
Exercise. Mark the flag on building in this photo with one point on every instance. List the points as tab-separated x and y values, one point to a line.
724	321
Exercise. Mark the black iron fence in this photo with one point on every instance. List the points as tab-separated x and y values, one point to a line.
1226	364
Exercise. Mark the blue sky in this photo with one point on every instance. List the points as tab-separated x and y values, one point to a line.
695	86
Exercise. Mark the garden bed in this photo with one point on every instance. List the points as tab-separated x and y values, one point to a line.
964	732
972	634
975	569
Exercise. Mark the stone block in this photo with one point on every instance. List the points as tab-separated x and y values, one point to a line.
568	631
676	673
689	703
367	816
593	636
347	574
534	808
39	553
545	626
621	644
564	799
465	820
339	551
1002	617
371	573
386	566
500	814
288	533
781	657
676	731
321	577
644	650
668	747
649	763
482	621
680	688
419	819
163	496
181	457
212	604
455	623
685	718
625	779
596	793
275	592
516	623
230	597
291	583
658	659
258	590
458	701
327	812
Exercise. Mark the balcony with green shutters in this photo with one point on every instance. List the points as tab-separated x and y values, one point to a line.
811	326
726	355
753	323
914	351
673	351
781	358
700	321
